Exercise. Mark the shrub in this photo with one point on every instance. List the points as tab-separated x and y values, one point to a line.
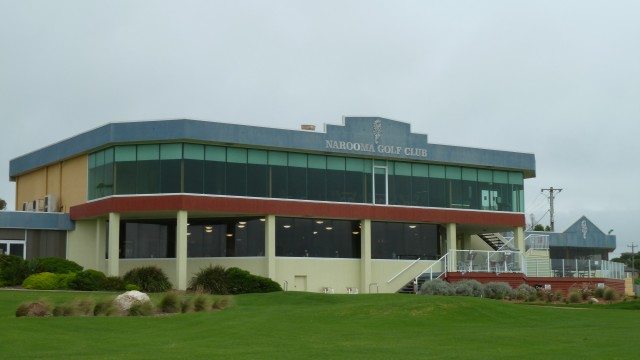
84	306
148	279
13	270
609	294
436	287
525	292
598	293
211	279
201	302
42	281
88	280
170	303
132	287
55	265
498	290
468	288
243	282
144	308
113	283
40	308
574	296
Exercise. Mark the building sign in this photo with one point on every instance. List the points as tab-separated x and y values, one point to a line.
372	148
375	147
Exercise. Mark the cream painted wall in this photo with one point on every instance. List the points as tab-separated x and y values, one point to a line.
333	273
479	244
81	245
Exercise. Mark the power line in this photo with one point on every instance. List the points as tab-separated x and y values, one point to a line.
551	196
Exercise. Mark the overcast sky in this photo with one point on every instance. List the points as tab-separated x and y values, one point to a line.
559	79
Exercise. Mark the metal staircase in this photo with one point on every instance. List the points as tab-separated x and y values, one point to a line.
496	242
413	286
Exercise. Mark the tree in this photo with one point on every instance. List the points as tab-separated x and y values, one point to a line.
538	227
547	228
3	204
625	258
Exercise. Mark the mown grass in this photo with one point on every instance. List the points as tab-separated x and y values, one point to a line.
316	326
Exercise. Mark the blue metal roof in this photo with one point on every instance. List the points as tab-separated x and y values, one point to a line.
35	220
581	234
362	136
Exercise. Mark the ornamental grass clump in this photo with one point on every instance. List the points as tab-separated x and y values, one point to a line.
105	307
148	279
170	303
211	279
144	308
574	297
41	308
609	294
201	302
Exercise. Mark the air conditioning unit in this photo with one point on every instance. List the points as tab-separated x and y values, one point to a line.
50	203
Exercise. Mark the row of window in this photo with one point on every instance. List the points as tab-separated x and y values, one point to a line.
219	170
295	237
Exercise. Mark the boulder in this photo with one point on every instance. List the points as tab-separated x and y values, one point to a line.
126	300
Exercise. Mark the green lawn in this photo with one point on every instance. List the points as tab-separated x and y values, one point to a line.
316	326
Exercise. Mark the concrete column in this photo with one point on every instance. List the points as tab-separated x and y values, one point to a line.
452	246
270	245
181	250
113	264
518	239
365	255
101	243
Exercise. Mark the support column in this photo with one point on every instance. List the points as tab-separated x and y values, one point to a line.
270	245
452	246
365	255
101	235
181	250
113	264
518	239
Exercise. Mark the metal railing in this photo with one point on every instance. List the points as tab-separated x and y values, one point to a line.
537	242
503	261
403	270
443	261
579	268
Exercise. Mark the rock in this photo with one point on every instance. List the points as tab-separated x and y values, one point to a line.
124	301
594	300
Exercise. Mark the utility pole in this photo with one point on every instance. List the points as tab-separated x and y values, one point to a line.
633	264
551	196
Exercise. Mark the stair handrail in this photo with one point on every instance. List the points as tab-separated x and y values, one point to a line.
430	268
403	270
509	240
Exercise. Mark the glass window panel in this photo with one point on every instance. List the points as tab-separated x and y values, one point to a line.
404	241
403	169
92	160
236	178
257	157
335	163
108	155
485	176
236	155
469	174
316	183
125	153
515	178
257	179
380	162
278	180
126	173
194	151
298	160
148	152
170	176
215	153
500	177
194	170
436	171
420	191
215	175
108	172
421	170
171	151
297	181
317	162
277	158
453	172
148	177
437	192
355	164
355	183
335	180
